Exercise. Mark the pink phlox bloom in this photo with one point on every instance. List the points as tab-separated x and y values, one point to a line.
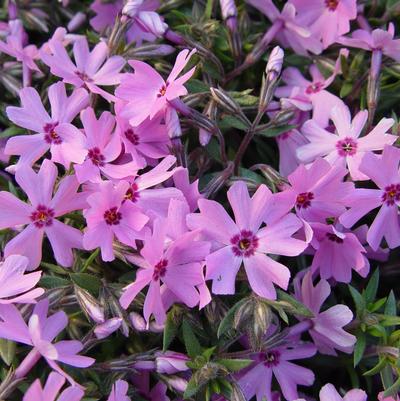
103	148
119	391
301	91
51	390
91	69
146	91
278	362
62	35
189	190
383	170
377	40
337	253
381	254
41	213
109	216
148	141
326	328
329	393
107	12
317	191
345	146
243	241
15	285
327	19
178	268
141	381
54	132
290	32
40	333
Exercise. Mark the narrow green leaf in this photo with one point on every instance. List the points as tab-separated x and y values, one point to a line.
53	282
170	330
227	321
7	351
377	368
299	308
359	347
87	281
192	388
234	365
192	344
272	132
390	307
372	287
359	301
392	390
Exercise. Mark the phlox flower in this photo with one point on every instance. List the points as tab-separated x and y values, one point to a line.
119	391
325	328
329	393
40	215
243	241
53	132
15	285
327	19
40	333
383	170
51	390
190	190
102	147
176	267
337	253
109	216
317	191
306	94
345	146
278	362
141	381
91	70
147	93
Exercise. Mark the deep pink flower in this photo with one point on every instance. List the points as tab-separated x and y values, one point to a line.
384	172
326	328
91	69
329	393
53	132
119	391
39	333
15	286
102	147
41	213
177	268
244	240
345	146
51	390
110	216
327	19
257	381
146	91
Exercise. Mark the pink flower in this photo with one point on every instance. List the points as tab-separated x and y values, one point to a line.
326	328
317	192
102	148
108	216
301	92
157	393
189	190
329	393
91	69
277	361
244	241
53	132
39	333
384	172
382	398
41	214
337	253
119	391
52	388
146	91
377	40
177	268
327	19
287	28
345	146
15	286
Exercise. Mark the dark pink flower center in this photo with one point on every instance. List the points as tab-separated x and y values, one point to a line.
160	269
392	194
42	216
303	200
112	216
50	134
244	244
132	193
163	90
334	238
346	147
331	4
131	136
271	358
83	76
314	88
96	157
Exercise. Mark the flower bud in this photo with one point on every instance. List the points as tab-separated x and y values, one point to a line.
177	383
151	22
224	100
150	50
132	7
274	65
172	123
108	327
137	321
228	9
76	21
90	306
171	362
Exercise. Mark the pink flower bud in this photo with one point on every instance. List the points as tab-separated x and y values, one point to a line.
76	21
172	123
228	9
151	22
177	383
137	321
274	65
171	362
105	329
132	7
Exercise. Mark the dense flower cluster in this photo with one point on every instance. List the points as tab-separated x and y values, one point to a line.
143	262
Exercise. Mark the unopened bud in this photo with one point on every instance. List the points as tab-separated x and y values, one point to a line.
224	100
274	65
171	362
228	9
177	383
151	22
76	21
137	321
261	321
132	7
90	306
172	123
107	328
156	327
150	50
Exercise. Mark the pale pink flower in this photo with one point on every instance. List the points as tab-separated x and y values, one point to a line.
119	391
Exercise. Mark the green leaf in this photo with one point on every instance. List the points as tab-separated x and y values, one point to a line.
234	365
196	86
386	376
54	268
90	259
359	347
170	330
392	390
87	281
12	131
7	351
298	307
232	122
389	320
192	388
390	307
53	282
227	321
372	287
208	353
359	301
272	132
377	368
192	344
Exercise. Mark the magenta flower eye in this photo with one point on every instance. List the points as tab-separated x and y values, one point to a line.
42	216
334	238
314	88
332	4
391	194
271	358
112	216
96	157
347	147
131	136
303	200
160	269
244	244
